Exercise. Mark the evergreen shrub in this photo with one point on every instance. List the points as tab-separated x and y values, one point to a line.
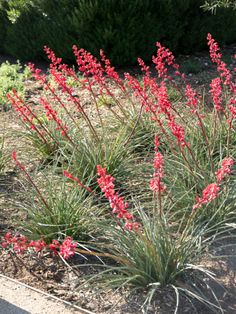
123	29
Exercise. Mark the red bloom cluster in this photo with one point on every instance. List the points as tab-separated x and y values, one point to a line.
27	115
51	56
37	73
14	157
178	132
214	49
155	184
110	71
148	82
144	67
160	104
163	101
53	115
20	244
56	64
164	56
88	64
95	74
138	89
67	248
216	93
216	58
38	245
225	169
212	190
54	246
192	98
119	207
232	109
208	194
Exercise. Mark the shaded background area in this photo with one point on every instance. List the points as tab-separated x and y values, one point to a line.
123	29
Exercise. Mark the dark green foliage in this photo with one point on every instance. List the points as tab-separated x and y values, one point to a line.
123	29
4	22
40	23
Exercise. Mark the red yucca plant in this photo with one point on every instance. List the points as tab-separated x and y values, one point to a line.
66	130
173	227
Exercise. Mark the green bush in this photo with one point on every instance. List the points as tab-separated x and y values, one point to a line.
11	77
3	23
123	29
59	211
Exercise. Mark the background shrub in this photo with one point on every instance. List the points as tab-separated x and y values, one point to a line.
123	29
12	76
4	23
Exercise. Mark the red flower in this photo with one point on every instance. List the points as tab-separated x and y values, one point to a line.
216	58
209	194
54	246
155	183
38	245
225	169
20	244
191	97
67	248
53	115
232	109
178	131
14	157
216	93
163	101
71	177
110	71
164	56
119	207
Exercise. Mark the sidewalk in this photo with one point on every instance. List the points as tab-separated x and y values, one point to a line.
19	299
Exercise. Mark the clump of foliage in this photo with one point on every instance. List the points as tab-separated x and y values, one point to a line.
57	211
156	229
12	76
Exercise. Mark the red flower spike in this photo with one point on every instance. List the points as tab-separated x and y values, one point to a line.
216	93
158	164
14	157
212	190
192	98
164	56
71	177
119	207
208	195
225	169
216	58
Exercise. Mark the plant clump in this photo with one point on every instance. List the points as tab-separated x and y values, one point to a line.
173	160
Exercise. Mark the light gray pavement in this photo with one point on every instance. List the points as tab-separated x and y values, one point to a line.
19	299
